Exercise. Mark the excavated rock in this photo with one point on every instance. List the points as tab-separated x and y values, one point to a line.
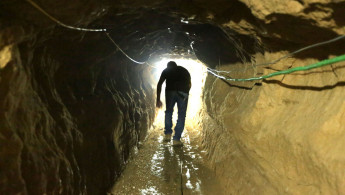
72	107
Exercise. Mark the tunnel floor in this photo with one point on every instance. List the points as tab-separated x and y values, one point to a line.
159	168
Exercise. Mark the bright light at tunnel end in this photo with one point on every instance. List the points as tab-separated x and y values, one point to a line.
190	64
198	74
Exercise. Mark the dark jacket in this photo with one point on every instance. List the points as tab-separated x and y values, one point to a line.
177	79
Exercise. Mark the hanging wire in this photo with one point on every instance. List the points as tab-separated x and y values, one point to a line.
212	71
286	56
82	29
288	71
60	23
302	49
118	47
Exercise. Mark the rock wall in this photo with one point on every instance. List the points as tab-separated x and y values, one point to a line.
283	136
71	112
72	108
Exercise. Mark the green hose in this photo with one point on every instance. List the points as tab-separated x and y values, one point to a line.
291	70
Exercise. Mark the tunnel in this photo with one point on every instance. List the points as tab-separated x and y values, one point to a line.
78	82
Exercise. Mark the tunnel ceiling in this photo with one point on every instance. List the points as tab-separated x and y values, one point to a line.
219	31
77	90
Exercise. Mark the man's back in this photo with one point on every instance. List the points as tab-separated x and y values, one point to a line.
177	79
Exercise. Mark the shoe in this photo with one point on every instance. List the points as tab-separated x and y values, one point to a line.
167	137
177	143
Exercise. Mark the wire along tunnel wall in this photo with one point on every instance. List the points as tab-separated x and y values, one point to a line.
288	71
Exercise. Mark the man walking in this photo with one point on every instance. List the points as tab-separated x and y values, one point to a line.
178	84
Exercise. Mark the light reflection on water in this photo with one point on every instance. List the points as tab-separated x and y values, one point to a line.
166	164
150	190
157	169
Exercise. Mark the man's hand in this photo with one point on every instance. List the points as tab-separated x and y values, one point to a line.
159	104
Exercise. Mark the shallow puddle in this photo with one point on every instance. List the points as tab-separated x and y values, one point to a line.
159	168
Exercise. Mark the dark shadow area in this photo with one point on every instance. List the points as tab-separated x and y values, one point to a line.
237	86
297	87
299	33
337	11
313	71
140	35
214	46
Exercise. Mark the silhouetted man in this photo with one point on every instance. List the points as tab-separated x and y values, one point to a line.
178	84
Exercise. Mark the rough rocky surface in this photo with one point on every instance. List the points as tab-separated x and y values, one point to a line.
281	136
73	107
71	112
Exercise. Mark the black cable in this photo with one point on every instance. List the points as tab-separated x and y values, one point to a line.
181	162
303	49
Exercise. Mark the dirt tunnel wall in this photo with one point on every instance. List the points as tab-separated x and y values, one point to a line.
280	137
71	114
72	108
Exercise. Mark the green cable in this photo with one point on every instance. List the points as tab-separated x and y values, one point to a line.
291	70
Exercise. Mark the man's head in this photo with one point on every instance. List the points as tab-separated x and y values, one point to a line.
171	64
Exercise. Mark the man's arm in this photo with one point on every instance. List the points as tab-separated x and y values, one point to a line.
159	89
189	81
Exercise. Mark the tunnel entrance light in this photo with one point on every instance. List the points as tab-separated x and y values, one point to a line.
198	72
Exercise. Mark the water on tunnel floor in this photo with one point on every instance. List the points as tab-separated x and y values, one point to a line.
160	168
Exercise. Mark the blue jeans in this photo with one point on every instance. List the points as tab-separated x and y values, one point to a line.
181	98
